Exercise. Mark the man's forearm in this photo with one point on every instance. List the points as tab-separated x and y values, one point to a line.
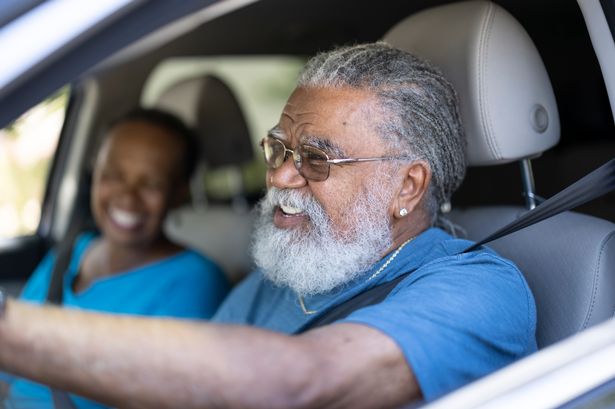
137	362
143	362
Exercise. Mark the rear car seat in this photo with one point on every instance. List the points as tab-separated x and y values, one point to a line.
222	231
509	114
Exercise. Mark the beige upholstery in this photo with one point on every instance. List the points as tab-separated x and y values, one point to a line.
182	99
507	103
222	232
209	105
509	113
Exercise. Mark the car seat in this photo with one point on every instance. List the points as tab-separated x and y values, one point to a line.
220	230
509	113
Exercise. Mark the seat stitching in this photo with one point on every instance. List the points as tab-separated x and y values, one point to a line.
596	281
483	51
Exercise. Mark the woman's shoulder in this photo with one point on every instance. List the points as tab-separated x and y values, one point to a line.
192	268
191	256
83	243
189	261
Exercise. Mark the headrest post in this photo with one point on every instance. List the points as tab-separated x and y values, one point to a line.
527	179
197	187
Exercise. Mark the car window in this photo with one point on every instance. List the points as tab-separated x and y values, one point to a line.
27	146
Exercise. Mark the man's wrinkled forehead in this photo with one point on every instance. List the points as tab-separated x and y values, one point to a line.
340	121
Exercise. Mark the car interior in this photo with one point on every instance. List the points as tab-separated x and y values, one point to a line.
208	105
532	97
571	275
482	44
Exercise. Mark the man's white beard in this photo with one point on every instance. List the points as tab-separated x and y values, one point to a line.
319	259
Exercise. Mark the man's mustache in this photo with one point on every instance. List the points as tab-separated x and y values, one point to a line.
291	197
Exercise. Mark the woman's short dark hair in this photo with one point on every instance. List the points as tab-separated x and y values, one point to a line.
174	125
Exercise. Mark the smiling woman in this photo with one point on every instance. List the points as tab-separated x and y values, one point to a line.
136	181
141	172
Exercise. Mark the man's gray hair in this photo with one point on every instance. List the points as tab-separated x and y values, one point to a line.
420	106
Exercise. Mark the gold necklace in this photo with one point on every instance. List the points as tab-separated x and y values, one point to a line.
305	310
380	270
385	265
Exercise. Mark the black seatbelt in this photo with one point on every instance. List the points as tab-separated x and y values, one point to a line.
61	400
55	293
64	251
592	186
370	297
81	220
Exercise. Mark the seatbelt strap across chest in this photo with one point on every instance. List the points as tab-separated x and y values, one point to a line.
55	294
592	186
372	296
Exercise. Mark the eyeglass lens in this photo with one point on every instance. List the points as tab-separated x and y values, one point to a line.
311	162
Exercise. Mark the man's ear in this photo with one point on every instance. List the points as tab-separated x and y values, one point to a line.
415	183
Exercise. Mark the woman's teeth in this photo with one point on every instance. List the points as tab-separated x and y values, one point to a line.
122	218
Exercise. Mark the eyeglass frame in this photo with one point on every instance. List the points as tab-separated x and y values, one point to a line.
297	159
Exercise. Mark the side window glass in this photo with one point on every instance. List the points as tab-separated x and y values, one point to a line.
27	147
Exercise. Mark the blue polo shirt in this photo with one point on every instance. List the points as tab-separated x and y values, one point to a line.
456	317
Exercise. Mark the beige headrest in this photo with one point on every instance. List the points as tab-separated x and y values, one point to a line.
208	105
507	103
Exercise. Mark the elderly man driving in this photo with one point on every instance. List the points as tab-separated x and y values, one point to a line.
367	149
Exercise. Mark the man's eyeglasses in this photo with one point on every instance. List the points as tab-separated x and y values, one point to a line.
311	162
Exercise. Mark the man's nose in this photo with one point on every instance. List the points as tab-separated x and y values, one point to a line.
286	176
